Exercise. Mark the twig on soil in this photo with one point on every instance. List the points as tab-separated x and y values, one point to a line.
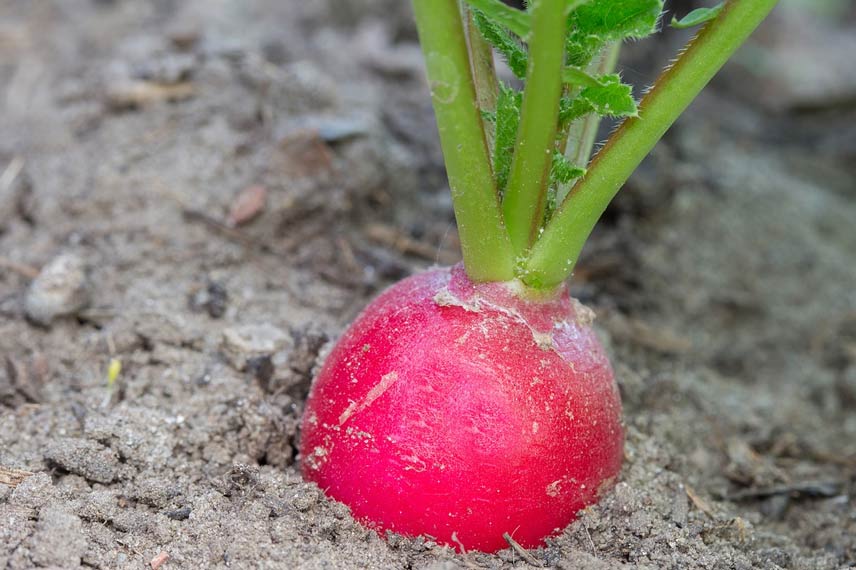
128	546
464	554
391	237
13	169
588	535
646	335
225	229
699	503
13	477
809	489
27	271
835	459
132	94
234	234
740	525
524	554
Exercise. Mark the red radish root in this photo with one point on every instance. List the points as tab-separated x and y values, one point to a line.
468	409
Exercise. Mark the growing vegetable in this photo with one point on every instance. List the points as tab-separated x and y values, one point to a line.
469	402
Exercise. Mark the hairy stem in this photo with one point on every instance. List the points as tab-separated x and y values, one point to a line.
553	257
525	195
484	241
583	132
484	74
578	142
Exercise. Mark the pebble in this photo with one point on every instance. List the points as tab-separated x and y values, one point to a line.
61	289
213	299
244	343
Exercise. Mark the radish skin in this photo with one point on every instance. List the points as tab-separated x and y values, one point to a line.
463	411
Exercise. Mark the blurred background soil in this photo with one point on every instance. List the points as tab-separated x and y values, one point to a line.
208	191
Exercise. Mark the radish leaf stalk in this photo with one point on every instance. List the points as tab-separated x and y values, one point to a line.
518	21
484	76
697	17
553	258
524	200
582	133
484	240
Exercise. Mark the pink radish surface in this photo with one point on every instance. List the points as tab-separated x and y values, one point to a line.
461	411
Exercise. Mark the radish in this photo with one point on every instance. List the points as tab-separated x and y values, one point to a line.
460	410
475	403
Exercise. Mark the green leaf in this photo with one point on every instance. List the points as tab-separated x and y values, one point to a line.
576	76
507	120
597	22
563	171
697	17
517	21
610	98
617	19
507	45
572	5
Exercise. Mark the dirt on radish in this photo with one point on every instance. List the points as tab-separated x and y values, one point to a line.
722	280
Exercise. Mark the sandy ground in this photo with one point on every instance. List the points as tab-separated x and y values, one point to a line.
131	137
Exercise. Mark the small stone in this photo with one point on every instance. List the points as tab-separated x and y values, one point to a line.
262	368
243	343
61	289
159	560
86	458
213	299
247	205
181	514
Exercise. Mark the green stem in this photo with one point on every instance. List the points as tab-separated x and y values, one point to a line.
579	148
484	241
515	20
580	138
484	74
553	257
525	195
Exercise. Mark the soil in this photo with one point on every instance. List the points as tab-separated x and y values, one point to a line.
135	137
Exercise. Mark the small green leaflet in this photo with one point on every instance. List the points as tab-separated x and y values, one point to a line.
617	19
697	17
597	22
509	47
517	21
610	98
508	105
562	171
576	76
